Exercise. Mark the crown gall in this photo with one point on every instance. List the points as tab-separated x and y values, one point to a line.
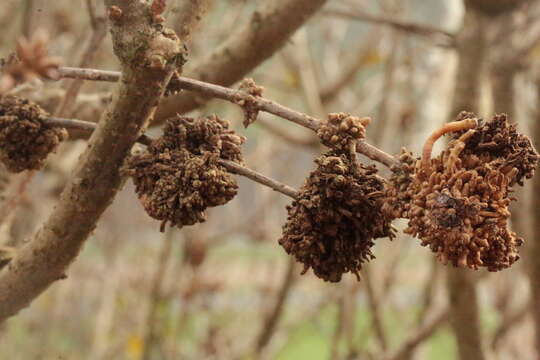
342	128
25	141
179	175
333	222
459	200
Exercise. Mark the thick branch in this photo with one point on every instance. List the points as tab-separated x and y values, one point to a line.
463	299
269	28
96	179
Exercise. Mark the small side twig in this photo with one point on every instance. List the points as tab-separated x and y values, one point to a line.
237	97
11	203
96	39
412	28
233	167
272	318
28	17
420	335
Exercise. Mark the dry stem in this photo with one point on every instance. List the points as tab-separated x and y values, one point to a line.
412	28
233	167
236	97
272	318
268	29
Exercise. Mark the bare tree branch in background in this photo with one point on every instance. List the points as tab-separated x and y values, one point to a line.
417	29
28	17
99	31
271	319
269	28
155	296
238	97
419	336
190	13
377	320
535	244
471	46
96	180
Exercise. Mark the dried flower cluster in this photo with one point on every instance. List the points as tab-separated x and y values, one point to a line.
248	103
25	141
179	176
459	200
32	62
341	129
332	224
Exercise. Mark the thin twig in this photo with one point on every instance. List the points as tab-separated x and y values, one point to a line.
272	318
11	203
45	258
237	97
413	28
91	7
508	323
84	126
28	18
423	333
96	39
266	31
155	296
88	74
260	178
233	167
374	305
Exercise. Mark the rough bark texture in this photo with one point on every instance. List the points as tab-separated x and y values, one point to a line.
148	58
464	312
269	28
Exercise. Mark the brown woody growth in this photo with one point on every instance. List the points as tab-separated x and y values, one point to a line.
180	174
25	141
459	200
398	198
249	103
332	224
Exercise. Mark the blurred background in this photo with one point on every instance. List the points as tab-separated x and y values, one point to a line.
225	289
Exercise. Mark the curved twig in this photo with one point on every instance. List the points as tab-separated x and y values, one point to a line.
236	97
445	129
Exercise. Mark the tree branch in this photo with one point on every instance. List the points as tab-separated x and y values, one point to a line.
272	318
268	30
233	167
420	335
412	28
148	57
237	97
464	309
